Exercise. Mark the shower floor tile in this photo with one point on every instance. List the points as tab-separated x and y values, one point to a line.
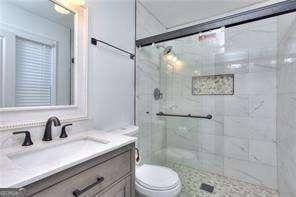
224	186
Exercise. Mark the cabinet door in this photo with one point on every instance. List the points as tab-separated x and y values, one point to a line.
120	189
93	180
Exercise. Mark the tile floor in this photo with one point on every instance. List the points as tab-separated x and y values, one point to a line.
224	186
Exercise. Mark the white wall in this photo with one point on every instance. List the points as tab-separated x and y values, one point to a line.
111	72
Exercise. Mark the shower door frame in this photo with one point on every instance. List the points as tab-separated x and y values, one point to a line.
260	13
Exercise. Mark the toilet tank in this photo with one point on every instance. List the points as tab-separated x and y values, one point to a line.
130	130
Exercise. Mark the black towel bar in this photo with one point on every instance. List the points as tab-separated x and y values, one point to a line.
95	41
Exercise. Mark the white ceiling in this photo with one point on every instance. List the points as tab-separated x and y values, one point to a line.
45	9
172	13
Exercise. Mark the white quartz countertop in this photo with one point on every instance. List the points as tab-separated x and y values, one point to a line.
14	175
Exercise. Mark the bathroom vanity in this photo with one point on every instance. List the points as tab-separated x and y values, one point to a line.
94	163
111	174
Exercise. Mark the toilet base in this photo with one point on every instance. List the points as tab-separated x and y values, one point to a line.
142	195
144	192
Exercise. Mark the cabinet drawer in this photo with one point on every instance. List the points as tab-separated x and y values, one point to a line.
92	180
119	189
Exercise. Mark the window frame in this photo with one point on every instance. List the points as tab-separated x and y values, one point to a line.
8	68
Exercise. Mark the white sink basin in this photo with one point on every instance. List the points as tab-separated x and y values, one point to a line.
58	155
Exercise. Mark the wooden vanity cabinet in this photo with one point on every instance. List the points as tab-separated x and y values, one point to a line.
120	189
109	175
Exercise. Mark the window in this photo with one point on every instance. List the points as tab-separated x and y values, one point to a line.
34	84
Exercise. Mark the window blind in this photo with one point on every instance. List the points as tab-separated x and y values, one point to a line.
34	73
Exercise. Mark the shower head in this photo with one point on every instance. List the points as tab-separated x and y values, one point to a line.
167	50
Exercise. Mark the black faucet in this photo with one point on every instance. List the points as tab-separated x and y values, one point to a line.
28	140
63	133
47	133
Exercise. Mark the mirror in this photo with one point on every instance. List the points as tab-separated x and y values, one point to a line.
36	54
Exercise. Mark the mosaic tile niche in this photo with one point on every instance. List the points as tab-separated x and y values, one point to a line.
213	85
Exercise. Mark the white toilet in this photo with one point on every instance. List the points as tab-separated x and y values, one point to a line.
153	180
157	181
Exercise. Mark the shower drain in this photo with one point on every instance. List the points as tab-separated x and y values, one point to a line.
207	187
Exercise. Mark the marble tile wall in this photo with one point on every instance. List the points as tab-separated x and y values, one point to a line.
286	106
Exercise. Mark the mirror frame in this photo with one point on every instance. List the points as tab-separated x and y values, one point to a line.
20	117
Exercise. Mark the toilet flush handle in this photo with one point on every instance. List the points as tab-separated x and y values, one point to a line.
137	155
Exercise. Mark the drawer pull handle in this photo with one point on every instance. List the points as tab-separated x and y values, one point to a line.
78	192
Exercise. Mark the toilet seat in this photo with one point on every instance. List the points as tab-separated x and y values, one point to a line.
154	181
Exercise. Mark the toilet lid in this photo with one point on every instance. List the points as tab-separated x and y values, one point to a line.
156	177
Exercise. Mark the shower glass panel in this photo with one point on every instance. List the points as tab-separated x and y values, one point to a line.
231	74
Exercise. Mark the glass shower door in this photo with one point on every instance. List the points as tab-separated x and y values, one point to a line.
229	73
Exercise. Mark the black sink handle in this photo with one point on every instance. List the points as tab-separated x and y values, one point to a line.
63	132
28	140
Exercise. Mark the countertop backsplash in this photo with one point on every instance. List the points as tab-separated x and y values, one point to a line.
7	139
